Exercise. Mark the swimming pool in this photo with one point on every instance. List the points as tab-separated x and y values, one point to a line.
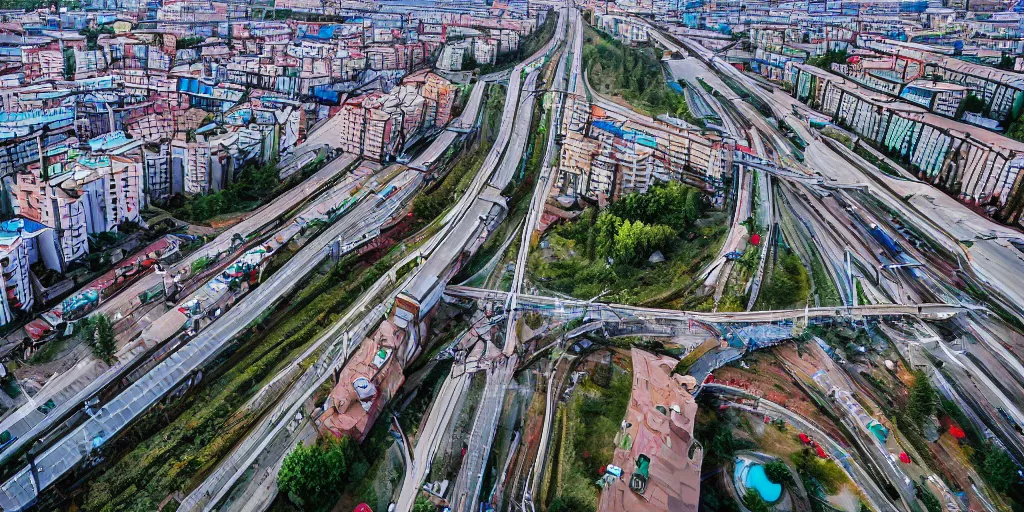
751	475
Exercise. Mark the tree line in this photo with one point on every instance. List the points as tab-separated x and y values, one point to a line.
255	183
637	225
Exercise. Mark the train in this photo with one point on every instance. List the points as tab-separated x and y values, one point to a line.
890	245
386	194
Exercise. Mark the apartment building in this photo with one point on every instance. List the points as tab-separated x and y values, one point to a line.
942	98
1001	91
623	28
191	160
15	272
378	125
980	167
159	182
610	158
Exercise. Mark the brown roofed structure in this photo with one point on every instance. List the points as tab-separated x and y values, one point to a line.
659	458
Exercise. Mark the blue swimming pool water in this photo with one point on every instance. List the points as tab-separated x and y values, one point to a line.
756	479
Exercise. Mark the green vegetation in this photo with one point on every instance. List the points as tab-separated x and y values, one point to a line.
1006	62
50	350
714	430
182	442
994	465
838	136
635	74
255	184
778	472
714	499
998	470
517	192
423	505
92	35
589	422
973	104
186	42
824	287
69	64
629	241
755	503
788	284
570	503
1016	129
672	204
931	503
684	364
430	204
427	206
922	404
314	476
98	332
822	471
609	250
862	297
826	60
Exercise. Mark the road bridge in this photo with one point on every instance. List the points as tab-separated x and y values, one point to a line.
572	308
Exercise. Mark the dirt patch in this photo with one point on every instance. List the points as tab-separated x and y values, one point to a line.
766	377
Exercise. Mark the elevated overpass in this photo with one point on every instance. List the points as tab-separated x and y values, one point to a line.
575	308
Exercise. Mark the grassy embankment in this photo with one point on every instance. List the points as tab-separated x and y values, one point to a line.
178	448
634	74
256	184
518	193
177	455
584	439
596	253
445	192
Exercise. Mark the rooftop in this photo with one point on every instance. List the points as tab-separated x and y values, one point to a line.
660	419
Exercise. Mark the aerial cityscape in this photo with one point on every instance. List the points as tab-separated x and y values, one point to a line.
512	255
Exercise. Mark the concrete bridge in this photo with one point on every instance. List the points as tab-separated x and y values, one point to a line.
573	308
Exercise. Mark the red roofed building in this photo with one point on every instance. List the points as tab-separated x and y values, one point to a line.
658	455
364	385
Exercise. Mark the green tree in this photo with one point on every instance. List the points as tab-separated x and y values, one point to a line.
92	35
469	62
826	60
825	472
788	284
999	470
672	204
99	334
69	64
186	42
778	472
635	241
313	476
423	505
1006	62
606	227
923	400
972	103
753	500
570	503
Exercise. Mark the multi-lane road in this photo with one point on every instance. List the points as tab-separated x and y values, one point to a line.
459	228
66	453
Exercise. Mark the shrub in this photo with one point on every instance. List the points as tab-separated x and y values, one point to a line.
778	472
313	476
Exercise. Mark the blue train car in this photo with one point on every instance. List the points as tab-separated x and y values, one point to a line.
886	240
